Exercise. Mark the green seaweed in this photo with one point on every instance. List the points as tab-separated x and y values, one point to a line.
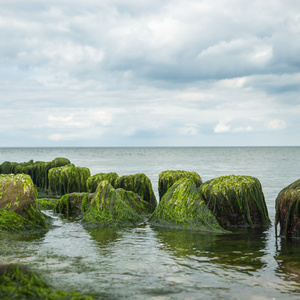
111	207
236	201
288	210
167	178
46	203
93	181
138	183
20	282
182	207
68	179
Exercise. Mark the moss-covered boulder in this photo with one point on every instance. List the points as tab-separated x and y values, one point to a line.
20	282
93	181
116	207
74	203
236	201
68	179
17	204
167	178
37	170
288	210
138	183
182	207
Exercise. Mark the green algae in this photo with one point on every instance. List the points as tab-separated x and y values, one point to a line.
167	178
68	179
38	170
46	203
140	184
93	181
288	210
112	207
19	282
236	201
182	207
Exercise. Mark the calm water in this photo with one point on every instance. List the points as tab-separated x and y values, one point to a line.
154	263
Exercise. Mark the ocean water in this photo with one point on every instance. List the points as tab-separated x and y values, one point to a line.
153	263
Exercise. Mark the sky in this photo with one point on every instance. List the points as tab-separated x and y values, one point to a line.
107	73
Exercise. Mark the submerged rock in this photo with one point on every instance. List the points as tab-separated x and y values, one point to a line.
236	201
167	178
182	207
20	282
93	181
288	210
115	207
140	184
68	179
17	204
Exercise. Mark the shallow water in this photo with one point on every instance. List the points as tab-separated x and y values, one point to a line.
155	263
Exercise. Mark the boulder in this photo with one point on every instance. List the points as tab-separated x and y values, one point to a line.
17	204
115	207
182	207
68	179
236	201
288	210
140	184
167	178
93	181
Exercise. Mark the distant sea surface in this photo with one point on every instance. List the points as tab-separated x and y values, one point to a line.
154	263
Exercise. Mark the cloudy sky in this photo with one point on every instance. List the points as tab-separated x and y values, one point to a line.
149	73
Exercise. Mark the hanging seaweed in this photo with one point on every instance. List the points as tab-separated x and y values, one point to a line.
140	184
288	210
93	181
182	207
167	178
236	201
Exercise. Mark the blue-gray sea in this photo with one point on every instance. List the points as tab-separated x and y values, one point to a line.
154	263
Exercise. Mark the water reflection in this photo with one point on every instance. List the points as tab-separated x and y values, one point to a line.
243	252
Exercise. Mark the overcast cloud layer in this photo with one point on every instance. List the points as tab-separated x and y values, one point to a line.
149	73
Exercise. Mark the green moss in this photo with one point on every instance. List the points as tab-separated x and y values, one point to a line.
93	181
288	210
68	179
46	203
182	207
13	222
140	184
19	282
111	207
167	178
236	201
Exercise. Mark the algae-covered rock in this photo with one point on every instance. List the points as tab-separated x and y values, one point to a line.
116	207
73	203
182	207
236	201
93	181
68	179
20	282
167	178
140	184
46	203
288	210
17	204
37	170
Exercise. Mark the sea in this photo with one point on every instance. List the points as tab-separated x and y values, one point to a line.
148	262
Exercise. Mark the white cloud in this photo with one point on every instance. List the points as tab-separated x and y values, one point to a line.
276	124
222	126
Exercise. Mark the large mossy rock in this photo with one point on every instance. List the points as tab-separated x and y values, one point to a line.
17	204
37	170
138	183
288	210
167	178
74	203
116	207
182	207
93	181
20	282
236	201
68	179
